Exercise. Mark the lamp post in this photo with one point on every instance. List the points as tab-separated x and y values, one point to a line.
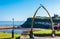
13	29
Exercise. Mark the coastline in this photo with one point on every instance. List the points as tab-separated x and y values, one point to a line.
7	27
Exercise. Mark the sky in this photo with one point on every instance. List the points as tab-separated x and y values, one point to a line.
20	10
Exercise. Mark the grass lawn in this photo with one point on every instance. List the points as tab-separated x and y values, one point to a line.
43	32
4	35
49	31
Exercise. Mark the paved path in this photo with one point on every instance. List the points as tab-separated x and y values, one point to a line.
35	37
47	37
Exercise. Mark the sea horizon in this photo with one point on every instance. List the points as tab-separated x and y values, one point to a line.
10	23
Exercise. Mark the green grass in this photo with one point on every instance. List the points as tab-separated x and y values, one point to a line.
46	32
49	31
4	35
57	32
43	32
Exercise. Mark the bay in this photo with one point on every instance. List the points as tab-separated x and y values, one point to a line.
10	23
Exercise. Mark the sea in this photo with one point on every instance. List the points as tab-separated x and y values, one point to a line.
10	23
